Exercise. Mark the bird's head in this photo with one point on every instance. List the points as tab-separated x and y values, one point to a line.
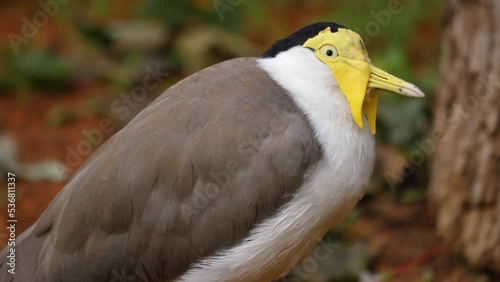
344	52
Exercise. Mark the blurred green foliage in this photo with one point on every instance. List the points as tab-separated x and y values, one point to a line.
41	69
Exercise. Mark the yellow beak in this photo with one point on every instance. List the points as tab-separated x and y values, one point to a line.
383	80
380	79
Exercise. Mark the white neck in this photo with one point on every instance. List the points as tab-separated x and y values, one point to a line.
327	195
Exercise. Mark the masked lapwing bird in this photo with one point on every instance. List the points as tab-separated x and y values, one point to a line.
232	174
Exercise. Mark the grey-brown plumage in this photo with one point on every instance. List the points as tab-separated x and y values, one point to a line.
191	175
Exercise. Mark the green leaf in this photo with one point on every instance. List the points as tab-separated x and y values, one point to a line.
41	69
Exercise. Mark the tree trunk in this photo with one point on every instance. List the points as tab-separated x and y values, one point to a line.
465	170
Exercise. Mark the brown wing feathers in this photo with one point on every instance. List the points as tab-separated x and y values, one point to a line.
191	175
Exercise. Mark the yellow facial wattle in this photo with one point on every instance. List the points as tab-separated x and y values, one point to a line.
344	52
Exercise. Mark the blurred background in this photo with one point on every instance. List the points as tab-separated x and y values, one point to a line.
71	75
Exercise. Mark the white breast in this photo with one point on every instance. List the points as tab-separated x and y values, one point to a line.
330	191
348	149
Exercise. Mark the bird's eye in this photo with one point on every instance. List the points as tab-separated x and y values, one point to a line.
328	51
